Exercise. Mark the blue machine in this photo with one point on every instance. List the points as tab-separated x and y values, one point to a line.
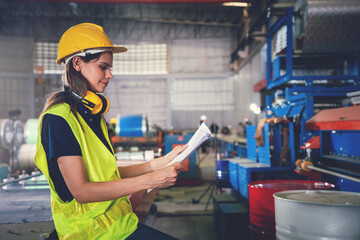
333	151
298	97
190	169
132	126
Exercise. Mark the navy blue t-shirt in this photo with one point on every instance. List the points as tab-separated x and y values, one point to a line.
58	140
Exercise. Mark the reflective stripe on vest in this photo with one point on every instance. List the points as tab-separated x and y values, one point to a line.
100	220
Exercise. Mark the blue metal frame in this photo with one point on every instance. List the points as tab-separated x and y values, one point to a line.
298	97
299	100
353	73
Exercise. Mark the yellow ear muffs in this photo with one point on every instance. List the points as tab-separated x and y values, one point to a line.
97	103
100	103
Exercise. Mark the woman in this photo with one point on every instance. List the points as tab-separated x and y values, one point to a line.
88	191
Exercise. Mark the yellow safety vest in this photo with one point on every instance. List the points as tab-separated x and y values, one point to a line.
99	220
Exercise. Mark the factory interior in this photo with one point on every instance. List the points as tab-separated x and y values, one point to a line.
264	93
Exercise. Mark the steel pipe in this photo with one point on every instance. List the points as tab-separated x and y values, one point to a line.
332	173
20	179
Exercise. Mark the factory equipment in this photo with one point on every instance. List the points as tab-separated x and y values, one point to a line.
135	138
312	66
132	126
332	150
189	172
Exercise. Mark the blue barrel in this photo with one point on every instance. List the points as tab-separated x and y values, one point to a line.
132	126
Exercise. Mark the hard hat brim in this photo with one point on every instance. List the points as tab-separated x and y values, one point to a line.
113	49
118	49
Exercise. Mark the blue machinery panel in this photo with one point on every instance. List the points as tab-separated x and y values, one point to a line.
264	151
172	141
251	143
299	102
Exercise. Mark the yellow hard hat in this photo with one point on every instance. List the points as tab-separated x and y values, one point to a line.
113	121
82	37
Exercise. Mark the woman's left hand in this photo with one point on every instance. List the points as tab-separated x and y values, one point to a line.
165	160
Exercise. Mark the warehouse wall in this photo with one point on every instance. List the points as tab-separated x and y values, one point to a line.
192	97
197	53
251	73
17	81
129	95
16	54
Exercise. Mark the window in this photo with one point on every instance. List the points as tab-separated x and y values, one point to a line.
141	58
45	56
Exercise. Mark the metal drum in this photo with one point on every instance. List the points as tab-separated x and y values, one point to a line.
26	155
6	133
31	130
261	201
315	215
18	133
132	126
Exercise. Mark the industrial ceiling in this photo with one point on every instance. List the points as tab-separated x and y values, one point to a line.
46	20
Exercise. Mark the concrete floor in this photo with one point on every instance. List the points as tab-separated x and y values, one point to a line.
179	213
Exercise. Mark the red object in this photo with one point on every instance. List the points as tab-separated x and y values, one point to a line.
260	85
261	200
313	143
345	118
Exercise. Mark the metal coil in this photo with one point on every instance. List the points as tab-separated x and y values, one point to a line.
6	133
26	155
31	130
18	133
132	126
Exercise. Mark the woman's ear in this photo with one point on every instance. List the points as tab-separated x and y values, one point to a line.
77	63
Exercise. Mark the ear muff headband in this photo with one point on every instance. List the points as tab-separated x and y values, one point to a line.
98	104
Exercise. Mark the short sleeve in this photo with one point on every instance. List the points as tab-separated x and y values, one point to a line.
58	139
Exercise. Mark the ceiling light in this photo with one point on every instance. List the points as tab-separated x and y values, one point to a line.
236	4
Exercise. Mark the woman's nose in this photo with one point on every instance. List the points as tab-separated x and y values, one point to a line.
109	74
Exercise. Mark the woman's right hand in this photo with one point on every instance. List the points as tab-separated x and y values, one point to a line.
165	177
